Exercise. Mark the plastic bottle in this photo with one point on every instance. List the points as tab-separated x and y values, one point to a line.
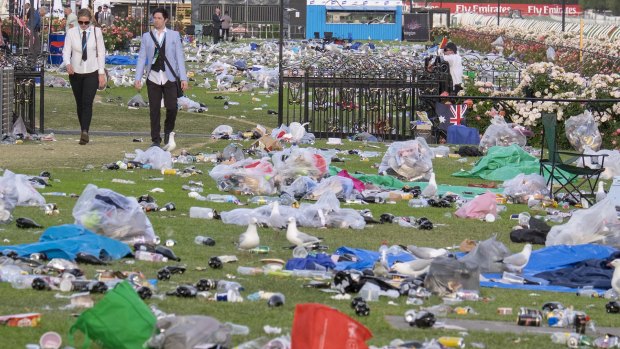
201	212
150	256
222	198
263	200
383	252
225	285
249	271
417	203
54	193
238	329
204	240
228	258
262	249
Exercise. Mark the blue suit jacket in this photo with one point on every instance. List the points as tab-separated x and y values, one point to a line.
174	54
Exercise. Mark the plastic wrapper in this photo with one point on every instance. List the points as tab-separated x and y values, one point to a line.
486	256
581	131
248	176
315	215
182	332
155	156
137	101
341	186
411	160
611	164
273	215
479	207
292	163
502	134
189	105
17	190
113	215
523	186
441	151
585	226
447	276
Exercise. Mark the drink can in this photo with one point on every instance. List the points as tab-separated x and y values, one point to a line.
260	250
529	320
451	342
222	297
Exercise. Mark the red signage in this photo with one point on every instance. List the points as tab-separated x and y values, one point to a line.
490	9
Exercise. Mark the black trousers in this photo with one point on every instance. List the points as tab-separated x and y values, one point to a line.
84	88
216	35
225	33
169	93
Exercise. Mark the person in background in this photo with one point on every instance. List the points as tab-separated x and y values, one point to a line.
160	79
84	57
217	25
105	17
70	18
451	55
33	22
97	14
226	23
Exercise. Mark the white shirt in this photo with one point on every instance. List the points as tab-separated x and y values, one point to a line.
72	51
456	68
159	77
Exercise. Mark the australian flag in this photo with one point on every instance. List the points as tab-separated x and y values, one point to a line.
450	114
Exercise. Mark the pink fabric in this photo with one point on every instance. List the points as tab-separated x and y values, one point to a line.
357	184
479	207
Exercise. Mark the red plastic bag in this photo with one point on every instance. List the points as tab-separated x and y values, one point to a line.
317	326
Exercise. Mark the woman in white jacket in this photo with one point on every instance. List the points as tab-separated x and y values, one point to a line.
84	57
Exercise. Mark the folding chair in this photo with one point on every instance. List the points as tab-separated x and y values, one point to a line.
563	172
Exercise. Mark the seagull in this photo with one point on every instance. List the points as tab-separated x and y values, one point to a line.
249	239
171	145
276	220
431	189
412	268
298	238
518	261
425	252
600	193
615	279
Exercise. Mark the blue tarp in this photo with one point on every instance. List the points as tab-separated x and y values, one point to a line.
66	241
544	259
121	60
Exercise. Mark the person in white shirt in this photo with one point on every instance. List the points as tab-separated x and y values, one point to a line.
84	57
450	55
70	18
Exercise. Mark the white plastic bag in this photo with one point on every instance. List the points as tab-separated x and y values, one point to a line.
155	156
582	131
502	134
585	226
412	160
523	186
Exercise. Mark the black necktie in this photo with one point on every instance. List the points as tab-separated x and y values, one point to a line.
84	54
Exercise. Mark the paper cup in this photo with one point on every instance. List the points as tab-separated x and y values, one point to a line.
50	340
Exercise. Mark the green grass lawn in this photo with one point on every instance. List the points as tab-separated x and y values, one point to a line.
66	161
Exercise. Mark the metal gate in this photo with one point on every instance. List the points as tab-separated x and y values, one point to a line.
341	95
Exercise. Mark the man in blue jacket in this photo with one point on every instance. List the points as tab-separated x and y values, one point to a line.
162	60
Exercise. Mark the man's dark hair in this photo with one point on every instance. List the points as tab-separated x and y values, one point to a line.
99	8
161	10
225	12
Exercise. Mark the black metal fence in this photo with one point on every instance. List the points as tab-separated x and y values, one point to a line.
341	95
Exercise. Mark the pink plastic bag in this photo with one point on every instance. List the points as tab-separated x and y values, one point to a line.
479	207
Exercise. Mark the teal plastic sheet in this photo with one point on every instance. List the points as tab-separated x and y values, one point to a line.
502	163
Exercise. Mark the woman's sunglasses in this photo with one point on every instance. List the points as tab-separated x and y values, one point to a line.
84	22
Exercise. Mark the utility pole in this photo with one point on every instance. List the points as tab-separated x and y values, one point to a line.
498	12
563	15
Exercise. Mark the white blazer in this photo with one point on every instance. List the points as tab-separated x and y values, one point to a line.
72	51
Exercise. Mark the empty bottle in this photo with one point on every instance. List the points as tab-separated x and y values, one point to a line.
263	200
249	270
222	198
150	256
201	212
204	240
225	285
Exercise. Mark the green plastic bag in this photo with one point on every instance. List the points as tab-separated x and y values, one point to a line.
121	320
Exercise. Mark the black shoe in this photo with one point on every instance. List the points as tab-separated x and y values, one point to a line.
155	144
166	138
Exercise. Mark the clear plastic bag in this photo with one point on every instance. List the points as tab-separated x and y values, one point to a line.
411	160
232	152
612	162
582	131
523	186
486	256
300	187
248	176
585	226
137	101
222	130
16	190
341	186
113	215
155	156
181	332
447	276
292	163
502	134
345	218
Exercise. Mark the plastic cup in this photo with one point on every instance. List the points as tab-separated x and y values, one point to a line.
50	340
300	252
